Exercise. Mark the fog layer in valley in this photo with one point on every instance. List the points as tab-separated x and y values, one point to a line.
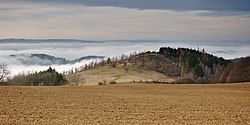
17	53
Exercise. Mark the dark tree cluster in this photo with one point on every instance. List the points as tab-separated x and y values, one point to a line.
44	78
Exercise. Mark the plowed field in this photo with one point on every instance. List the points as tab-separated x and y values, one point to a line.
126	104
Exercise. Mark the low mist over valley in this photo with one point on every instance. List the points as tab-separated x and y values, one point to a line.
30	55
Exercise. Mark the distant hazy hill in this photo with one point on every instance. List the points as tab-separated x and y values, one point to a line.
44	59
46	41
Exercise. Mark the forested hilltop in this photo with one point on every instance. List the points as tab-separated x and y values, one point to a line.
182	64
196	64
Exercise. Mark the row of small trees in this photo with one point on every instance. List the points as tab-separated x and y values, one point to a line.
96	64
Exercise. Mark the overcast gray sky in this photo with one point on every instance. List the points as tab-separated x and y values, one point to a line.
126	19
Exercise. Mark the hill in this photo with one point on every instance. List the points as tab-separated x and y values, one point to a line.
238	71
169	64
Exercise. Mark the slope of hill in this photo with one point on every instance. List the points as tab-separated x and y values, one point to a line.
156	62
238	71
118	74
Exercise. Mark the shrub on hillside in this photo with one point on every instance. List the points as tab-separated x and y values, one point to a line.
184	81
113	82
3	83
202	81
104	82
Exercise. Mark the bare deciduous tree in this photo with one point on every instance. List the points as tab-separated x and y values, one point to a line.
4	71
76	79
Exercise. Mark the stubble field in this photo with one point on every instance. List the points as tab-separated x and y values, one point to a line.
126	104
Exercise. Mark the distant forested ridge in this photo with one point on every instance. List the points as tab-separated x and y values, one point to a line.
45	60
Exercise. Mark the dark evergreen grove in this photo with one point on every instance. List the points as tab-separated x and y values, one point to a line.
44	78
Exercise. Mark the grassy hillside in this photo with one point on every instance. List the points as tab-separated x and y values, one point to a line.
117	74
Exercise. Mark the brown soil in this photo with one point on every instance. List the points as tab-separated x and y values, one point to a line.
126	104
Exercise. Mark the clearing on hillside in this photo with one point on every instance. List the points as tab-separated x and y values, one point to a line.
126	104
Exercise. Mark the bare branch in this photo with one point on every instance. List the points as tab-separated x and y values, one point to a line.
4	71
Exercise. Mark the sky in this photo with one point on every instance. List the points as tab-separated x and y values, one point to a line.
125	19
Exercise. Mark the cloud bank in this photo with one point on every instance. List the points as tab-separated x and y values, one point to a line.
126	19
182	5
